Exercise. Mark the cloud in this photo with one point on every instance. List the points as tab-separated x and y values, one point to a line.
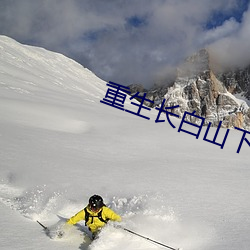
124	41
228	28
233	49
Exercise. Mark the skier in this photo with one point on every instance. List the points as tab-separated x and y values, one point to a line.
95	214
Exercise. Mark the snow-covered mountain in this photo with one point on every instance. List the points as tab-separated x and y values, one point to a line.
213	95
237	81
59	145
34	74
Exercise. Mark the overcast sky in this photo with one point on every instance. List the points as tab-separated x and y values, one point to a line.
131	41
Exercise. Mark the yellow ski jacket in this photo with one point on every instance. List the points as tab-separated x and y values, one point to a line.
94	223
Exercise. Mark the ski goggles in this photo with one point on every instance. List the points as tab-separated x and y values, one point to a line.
94	208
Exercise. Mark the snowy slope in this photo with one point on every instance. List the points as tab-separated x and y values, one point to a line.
59	145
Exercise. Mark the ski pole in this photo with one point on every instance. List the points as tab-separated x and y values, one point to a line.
146	238
45	228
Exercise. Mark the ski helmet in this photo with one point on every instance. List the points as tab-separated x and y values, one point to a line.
95	202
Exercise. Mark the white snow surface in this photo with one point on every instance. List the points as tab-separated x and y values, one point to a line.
60	145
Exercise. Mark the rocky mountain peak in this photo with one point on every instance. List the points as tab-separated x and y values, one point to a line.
197	64
197	88
237	81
